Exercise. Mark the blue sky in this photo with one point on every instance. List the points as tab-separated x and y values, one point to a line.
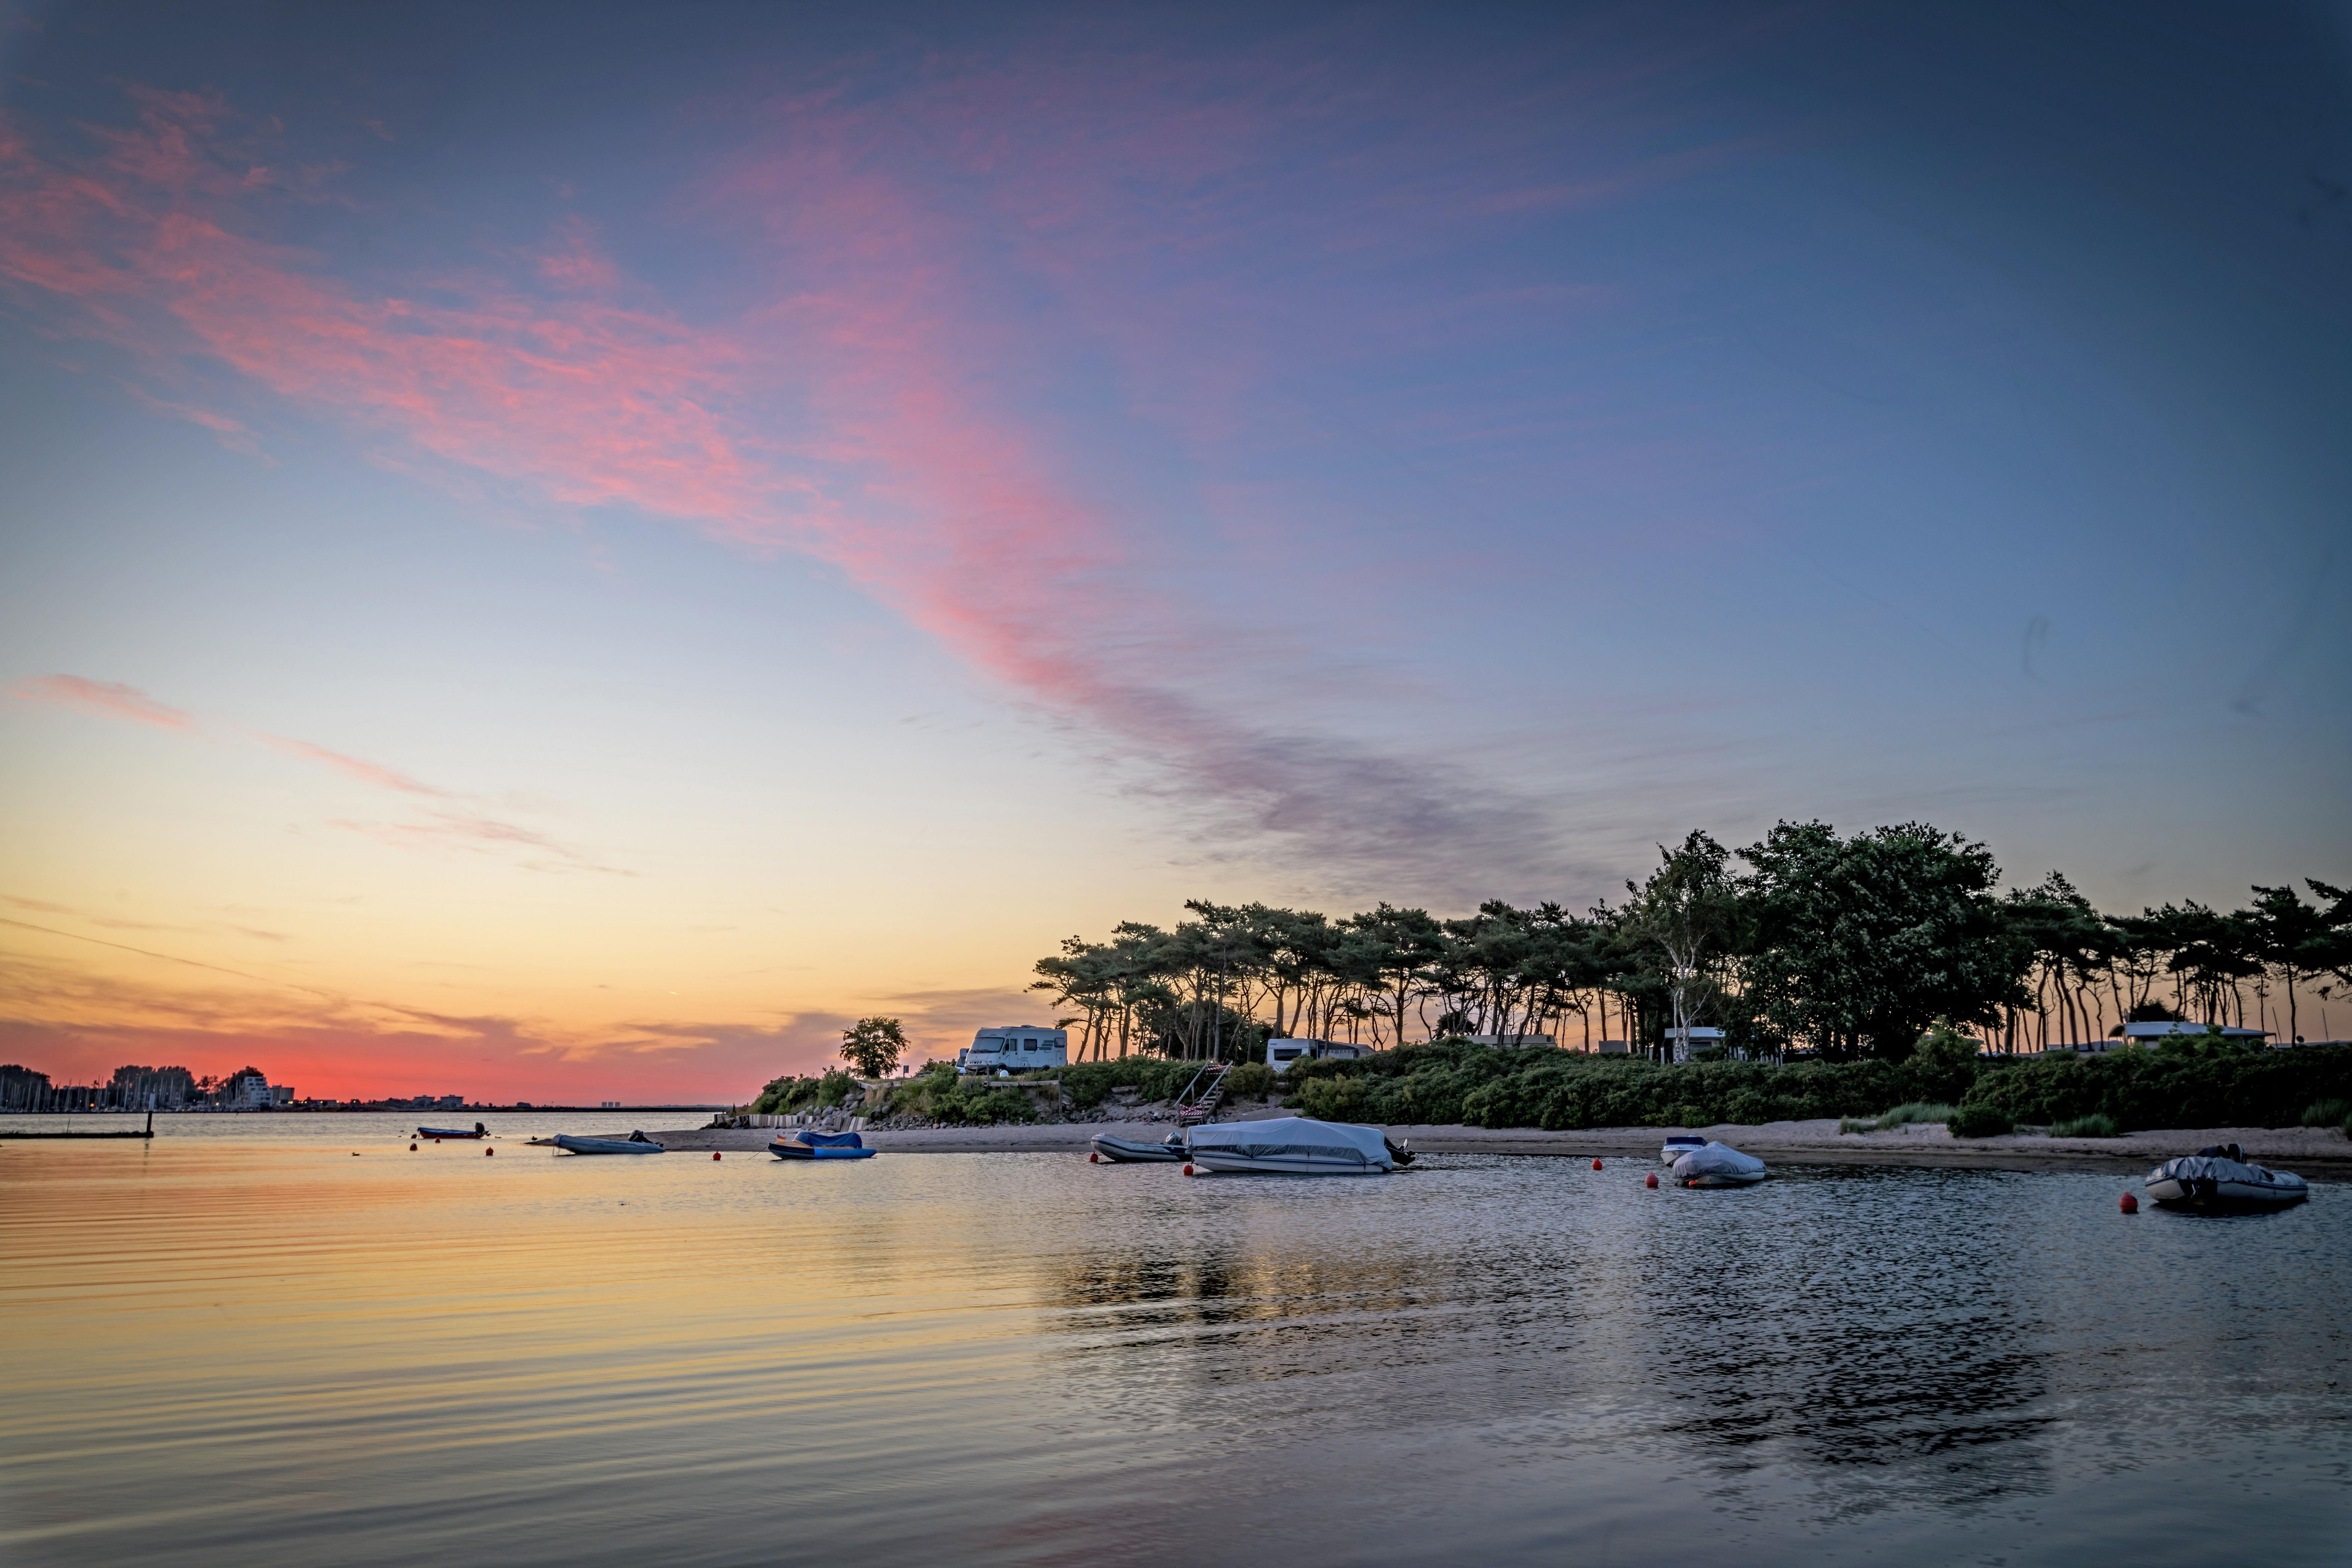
777	513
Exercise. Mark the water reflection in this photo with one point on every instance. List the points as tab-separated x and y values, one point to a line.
243	1351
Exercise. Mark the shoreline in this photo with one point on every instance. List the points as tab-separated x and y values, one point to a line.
2305	1150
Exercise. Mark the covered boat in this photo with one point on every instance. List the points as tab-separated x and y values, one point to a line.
479	1132
808	1144
1718	1165
1293	1146
1680	1144
635	1144
2219	1177
1133	1151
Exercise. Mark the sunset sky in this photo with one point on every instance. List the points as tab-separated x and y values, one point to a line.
568	551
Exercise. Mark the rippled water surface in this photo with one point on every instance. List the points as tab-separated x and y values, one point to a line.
266	1351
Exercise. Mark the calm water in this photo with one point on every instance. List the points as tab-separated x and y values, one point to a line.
265	1350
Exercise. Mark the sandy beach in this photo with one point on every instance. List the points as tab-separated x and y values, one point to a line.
2311	1150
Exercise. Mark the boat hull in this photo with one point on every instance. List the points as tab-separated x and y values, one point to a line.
571	1146
2211	1180
444	1132
1727	1179
1128	1151
785	1150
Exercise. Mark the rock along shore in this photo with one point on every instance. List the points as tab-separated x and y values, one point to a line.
2310	1150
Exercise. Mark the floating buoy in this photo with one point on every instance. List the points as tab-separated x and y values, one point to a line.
714	1153
1095	1158
1651	1180
2130	1205
1691	1183
1188	1170
412	1148
436	1140
489	1152
1596	1165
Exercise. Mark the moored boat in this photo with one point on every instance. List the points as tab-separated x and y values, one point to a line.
805	1144
1133	1151
1680	1144
2220	1178
479	1132
1718	1165
1292	1146
635	1144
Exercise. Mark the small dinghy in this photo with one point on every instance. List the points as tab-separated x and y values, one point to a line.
805	1144
1680	1144
479	1132
1129	1151
635	1144
1293	1146
1718	1165
2219	1178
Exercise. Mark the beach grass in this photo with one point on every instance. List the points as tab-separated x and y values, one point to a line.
1914	1111
2329	1113
2098	1124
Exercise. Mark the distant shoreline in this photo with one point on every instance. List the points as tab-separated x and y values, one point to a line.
2322	1151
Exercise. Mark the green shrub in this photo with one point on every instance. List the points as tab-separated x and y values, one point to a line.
1249	1081
1980	1121
1337	1099
1916	1111
2098	1124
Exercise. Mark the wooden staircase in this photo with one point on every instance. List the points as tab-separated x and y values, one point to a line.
1199	1102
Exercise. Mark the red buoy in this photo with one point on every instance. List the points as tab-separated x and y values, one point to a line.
489	1152
1095	1158
1651	1180
714	1153
1596	1165
2130	1205
436	1140
412	1148
1188	1170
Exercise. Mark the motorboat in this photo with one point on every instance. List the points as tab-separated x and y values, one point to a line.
635	1144
1292	1146
1134	1152
1678	1145
2220	1177
1718	1165
479	1132
805	1143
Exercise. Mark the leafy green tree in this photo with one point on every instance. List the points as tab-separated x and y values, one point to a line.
1687	913
874	1047
1861	940
2297	943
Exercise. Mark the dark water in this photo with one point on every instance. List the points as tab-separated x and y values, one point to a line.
271	1352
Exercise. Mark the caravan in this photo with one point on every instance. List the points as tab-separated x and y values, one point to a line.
1014	1048
1280	1054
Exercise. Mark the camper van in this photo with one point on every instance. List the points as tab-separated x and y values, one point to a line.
1014	1048
1280	1054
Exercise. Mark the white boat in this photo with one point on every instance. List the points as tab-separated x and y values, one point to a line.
1680	1144
1293	1146
635	1144
2220	1178
1718	1165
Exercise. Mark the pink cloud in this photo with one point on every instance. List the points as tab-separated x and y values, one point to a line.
353	767
111	698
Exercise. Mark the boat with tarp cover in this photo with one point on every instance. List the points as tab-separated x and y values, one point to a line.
808	1144
635	1144
2220	1178
1718	1165
1293	1146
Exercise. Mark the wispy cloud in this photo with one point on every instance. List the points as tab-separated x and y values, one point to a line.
111	698
355	767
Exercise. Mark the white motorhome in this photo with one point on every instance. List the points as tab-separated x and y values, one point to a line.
1015	1047
1280	1054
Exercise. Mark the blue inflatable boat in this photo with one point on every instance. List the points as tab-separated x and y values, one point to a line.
806	1145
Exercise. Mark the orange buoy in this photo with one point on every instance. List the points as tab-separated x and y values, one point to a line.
1188	1170
1651	1180
1596	1165
2130	1205
1095	1158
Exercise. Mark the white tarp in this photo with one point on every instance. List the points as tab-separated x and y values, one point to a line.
1294	1137
1717	1160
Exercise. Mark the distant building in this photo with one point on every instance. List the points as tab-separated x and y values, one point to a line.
2156	1034
1525	1042
246	1089
1280	1054
281	1094
1683	1042
1015	1048
450	1102
1612	1047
